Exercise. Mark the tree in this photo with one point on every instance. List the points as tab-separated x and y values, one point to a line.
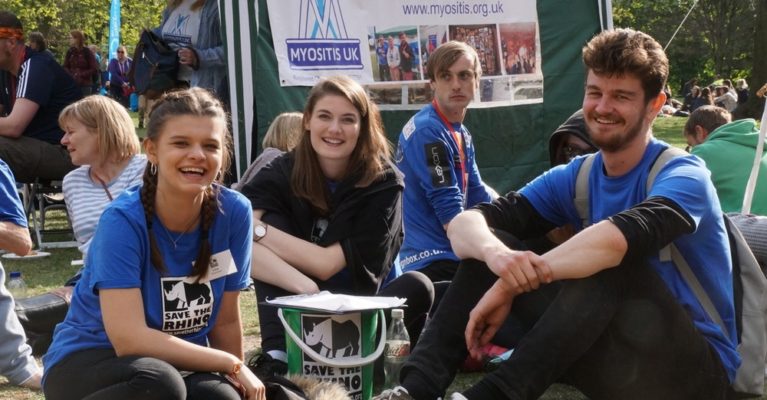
755	105
716	41
56	18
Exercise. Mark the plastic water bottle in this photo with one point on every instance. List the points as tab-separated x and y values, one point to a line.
16	285
397	348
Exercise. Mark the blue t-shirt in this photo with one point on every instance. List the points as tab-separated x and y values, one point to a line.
119	258
43	81
11	209
686	182
428	156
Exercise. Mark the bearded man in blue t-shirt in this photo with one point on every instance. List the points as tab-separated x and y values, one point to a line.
601	311
34	89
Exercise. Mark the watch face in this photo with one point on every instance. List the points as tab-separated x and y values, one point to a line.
259	231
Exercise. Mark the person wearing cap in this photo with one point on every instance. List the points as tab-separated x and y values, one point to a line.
34	90
16	361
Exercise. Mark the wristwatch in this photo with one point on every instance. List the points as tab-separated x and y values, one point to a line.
259	231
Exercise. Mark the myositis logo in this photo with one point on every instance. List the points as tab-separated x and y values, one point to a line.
323	41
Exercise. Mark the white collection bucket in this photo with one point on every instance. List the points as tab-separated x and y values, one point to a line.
335	347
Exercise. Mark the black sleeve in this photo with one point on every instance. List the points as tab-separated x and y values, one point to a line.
651	225
373	240
514	214
270	187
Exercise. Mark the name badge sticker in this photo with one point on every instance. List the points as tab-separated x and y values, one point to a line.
221	264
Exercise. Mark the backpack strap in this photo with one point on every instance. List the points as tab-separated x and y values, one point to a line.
668	253
581	199
663	158
697	289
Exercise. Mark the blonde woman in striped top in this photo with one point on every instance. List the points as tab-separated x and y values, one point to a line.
101	139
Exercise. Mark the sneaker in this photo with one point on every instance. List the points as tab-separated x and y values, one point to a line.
264	366
398	393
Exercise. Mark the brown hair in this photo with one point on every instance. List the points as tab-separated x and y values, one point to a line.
705	93
708	118
194	102
10	20
447	54
79	38
110	122
285	131
623	52
39	41
368	158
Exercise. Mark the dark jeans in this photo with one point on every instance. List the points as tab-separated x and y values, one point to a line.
441	272
413	286
618	334
30	159
100	374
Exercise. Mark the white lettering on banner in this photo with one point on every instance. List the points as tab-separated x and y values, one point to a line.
319	38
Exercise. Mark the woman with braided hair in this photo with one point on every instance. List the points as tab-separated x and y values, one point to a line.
156	312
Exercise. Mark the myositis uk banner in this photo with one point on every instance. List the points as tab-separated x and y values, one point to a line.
386	45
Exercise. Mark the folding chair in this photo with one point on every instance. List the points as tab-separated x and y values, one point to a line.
40	198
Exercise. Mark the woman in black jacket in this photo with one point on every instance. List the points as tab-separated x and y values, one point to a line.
328	215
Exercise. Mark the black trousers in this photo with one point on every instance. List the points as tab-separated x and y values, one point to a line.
100	374
413	286
618	334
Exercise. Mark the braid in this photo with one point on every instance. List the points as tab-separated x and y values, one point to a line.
209	209
148	192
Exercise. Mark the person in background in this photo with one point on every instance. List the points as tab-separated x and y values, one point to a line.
393	60
687	87
38	43
741	88
705	99
80	62
119	84
690	99
436	154
193	28
383	66
407	57
156	312
100	137
99	134
38	89
728	148
328	216
283	135
726	98
97	77
16	361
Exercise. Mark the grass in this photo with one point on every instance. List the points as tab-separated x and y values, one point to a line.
42	275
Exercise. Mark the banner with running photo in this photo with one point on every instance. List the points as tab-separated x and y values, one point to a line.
386	44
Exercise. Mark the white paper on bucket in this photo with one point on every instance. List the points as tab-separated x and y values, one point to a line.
336	303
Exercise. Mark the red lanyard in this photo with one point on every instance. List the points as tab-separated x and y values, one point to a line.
458	141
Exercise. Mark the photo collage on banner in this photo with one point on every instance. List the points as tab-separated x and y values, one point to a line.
386	46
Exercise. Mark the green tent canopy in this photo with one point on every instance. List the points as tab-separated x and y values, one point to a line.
511	141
